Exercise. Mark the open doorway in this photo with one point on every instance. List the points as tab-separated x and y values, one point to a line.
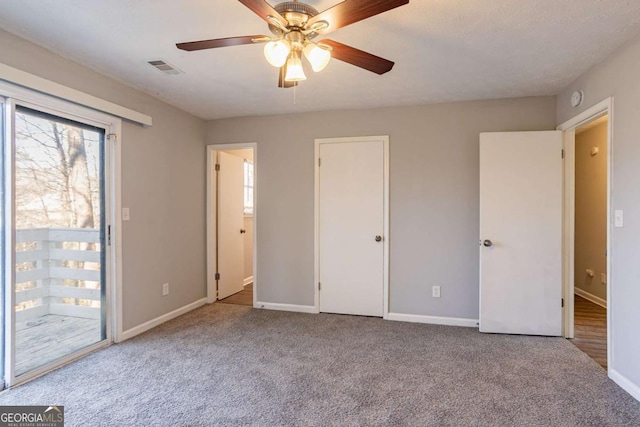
590	238
231	224
588	144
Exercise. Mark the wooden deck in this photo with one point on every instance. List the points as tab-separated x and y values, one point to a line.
244	297
591	330
47	338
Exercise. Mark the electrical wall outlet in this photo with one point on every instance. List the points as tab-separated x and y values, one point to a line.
435	292
165	289
603	278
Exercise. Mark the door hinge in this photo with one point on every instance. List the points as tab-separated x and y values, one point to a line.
319	286
217	167
562	303
109	235
217	276
112	137
319	162
563	153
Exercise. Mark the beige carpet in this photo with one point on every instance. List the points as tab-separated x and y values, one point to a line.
228	365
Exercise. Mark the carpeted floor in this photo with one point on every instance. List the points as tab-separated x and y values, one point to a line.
232	365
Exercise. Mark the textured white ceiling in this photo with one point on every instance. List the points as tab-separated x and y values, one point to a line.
445	50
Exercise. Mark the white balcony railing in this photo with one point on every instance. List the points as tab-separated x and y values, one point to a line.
58	272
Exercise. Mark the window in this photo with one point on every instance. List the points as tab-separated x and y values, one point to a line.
248	188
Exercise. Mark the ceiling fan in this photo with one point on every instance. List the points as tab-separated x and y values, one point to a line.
294	25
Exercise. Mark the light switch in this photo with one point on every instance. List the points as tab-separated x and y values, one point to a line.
618	218
125	214
435	292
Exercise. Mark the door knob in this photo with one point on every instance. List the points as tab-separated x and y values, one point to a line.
242	231
487	243
378	238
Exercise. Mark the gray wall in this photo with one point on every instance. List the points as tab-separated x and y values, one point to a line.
163	170
433	195
591	210
619	76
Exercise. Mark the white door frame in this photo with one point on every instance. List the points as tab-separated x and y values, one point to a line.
211	209
385	240
569	127
112	126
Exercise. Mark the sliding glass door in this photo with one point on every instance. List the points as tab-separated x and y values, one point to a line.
60	241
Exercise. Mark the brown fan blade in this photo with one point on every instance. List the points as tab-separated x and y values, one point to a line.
281	81
350	11
264	10
213	43
358	57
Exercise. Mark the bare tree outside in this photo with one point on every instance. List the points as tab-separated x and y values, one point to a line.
57	172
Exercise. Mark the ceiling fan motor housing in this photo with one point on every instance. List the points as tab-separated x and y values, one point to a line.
296	13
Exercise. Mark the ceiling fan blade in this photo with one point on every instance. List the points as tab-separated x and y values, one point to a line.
264	11
213	43
358	57
281	81
350	11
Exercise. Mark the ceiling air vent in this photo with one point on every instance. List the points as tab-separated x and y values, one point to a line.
163	66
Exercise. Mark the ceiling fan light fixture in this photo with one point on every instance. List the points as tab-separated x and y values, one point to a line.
276	52
295	24
295	73
317	56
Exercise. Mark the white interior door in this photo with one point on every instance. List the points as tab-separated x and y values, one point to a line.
230	211
521	233
350	217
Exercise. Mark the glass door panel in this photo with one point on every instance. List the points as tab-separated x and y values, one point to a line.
59	201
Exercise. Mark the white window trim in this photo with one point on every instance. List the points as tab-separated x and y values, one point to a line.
16	95
47	87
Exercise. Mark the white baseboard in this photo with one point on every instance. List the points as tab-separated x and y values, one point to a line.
137	330
625	383
248	281
286	307
434	320
590	297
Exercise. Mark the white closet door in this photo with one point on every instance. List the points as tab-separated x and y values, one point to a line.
351	225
